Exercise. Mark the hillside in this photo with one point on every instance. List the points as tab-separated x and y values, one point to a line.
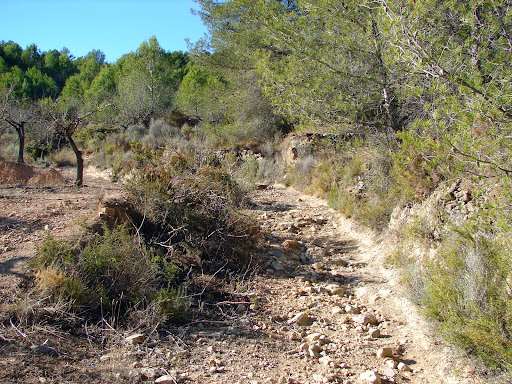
322	306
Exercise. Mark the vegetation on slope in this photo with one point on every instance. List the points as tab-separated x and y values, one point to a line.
421	90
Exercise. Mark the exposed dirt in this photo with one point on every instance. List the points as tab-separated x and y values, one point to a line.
319	264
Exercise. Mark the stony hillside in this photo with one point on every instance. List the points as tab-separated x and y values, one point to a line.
323	307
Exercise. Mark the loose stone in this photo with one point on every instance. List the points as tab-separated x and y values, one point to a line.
402	367
370	377
385	352
301	319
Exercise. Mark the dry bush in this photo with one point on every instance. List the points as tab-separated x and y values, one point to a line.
189	207
64	157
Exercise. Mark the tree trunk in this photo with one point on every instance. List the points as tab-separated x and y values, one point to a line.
387	91
79	160
20	130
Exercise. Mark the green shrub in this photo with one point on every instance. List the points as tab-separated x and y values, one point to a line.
37	150
355	178
102	272
468	293
461	275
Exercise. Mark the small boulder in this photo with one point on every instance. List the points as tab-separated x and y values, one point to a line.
365	319
374	333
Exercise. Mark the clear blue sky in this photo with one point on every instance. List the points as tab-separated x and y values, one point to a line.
115	27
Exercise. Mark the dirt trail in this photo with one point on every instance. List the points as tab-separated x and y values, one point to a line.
321	310
314	250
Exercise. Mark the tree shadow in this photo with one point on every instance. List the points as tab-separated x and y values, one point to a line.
14	224
8	267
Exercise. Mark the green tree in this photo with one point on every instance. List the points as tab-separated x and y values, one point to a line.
59	66
319	61
147	81
200	95
11	52
458	55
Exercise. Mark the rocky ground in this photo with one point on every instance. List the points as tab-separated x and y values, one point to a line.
324	308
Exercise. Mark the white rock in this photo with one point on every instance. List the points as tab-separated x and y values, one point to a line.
402	367
337	310
320	379
352	310
325	360
371	377
335	289
311	338
390	373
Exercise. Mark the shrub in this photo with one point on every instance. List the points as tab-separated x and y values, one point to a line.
102	272
189	207
467	291
159	133
37	150
460	272
64	157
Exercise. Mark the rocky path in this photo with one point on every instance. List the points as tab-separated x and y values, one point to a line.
325	309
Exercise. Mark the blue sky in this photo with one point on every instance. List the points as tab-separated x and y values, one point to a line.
115	27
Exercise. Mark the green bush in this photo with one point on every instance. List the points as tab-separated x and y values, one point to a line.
103	272
37	150
467	289
64	157
460	273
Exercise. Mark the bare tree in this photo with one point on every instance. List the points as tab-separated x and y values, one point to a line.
68	119
17	114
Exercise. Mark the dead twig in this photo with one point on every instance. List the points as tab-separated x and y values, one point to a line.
17	330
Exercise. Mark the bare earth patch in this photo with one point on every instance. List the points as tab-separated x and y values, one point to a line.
323	308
